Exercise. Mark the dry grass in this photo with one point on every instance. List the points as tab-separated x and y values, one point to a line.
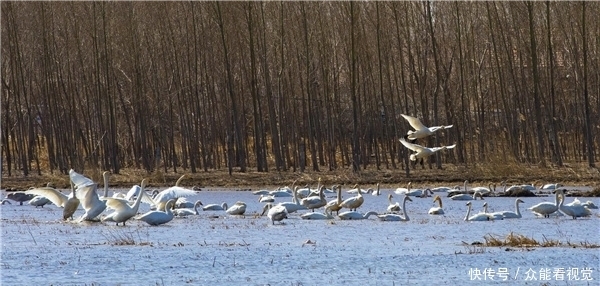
494	171
519	240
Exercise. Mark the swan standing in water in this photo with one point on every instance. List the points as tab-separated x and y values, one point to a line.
354	202
239	208
294	205
421	131
38	201
422	152
477	217
215	207
187	211
393	207
573	211
275	212
313	203
436	210
71	204
466	197
159	217
124	211
335	205
90	201
545	209
354	215
515	214
396	217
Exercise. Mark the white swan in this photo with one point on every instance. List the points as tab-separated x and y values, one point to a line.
56	197
174	192
294	205
183	203
421	131
589	204
354	202
494	215
335	205
545	209
159	217
275	212
239	208
466	197
393	207
477	217
90	201
38	201
436	210
71	204
422	152
354	215
515	214
318	216
403	191
482	190
551	187
187	211
266	199
122	210
313	203
215	207
396	217
573	211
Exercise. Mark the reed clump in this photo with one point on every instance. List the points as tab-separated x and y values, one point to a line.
519	240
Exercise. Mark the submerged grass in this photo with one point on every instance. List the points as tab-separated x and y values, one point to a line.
519	240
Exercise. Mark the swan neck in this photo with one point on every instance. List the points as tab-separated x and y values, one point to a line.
517	208
404	207
468	213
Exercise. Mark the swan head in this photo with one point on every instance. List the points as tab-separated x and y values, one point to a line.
469	204
407	198
520	201
390	196
198	203
266	208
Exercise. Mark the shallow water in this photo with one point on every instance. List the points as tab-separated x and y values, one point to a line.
38	248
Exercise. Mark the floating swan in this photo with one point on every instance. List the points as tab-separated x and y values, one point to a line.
421	131
313	203
159	217
124	211
573	211
354	202
545	208
509	214
403	191
589	204
335	205
187	211
466	197
494	216
436	210
422	152
275	212
396	217
393	207
354	215
239	208
317	216
477	217
215	207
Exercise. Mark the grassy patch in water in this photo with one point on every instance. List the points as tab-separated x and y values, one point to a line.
519	240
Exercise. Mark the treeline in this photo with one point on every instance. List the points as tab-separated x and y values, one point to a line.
294	85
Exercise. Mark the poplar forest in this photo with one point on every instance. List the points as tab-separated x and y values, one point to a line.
295	86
